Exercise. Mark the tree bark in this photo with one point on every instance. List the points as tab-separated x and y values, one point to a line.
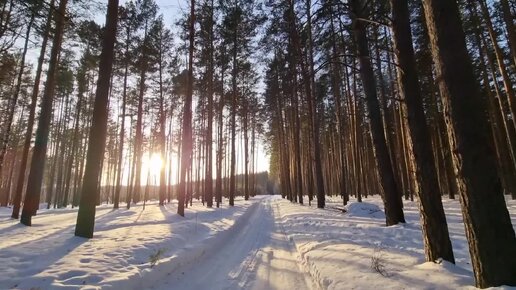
489	231
433	221
234	103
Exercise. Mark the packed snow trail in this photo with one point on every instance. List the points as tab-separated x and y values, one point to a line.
254	254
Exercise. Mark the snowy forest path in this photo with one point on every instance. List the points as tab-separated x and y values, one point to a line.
257	255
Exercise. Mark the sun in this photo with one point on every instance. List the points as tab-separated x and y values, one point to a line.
155	161
151	165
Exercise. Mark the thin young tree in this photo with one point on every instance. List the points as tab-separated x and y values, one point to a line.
147	10
127	24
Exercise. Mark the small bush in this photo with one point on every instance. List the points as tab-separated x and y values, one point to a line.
378	262
155	257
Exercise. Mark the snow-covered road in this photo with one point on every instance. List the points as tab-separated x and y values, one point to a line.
253	254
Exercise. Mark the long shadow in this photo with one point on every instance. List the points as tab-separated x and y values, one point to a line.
23	262
16	225
36	227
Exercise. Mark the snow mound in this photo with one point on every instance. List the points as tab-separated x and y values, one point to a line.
364	209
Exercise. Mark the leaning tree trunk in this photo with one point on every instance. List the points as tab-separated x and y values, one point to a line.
489	231
391	196
435	230
97	136
31	204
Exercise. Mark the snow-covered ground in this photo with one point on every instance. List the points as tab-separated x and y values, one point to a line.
263	243
48	255
338	248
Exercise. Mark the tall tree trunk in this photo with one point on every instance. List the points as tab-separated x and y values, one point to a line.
391	194
341	126
501	135
162	136
220	147
75	143
234	102
296	127
186	140
97	136
307	74
138	143
489	231
120	172
62	153
435	230
246	152
209	132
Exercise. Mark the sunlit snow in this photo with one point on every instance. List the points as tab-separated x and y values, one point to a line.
263	243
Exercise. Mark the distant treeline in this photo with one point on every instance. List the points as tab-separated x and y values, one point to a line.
260	184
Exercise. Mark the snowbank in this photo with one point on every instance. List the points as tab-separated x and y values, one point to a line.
364	209
338	249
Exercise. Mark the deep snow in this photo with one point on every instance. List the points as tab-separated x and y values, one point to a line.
263	243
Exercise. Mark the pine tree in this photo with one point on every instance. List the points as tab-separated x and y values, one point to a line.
97	137
488	226
435	230
391	194
31	204
186	140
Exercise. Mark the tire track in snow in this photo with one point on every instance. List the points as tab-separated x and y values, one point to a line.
255	254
